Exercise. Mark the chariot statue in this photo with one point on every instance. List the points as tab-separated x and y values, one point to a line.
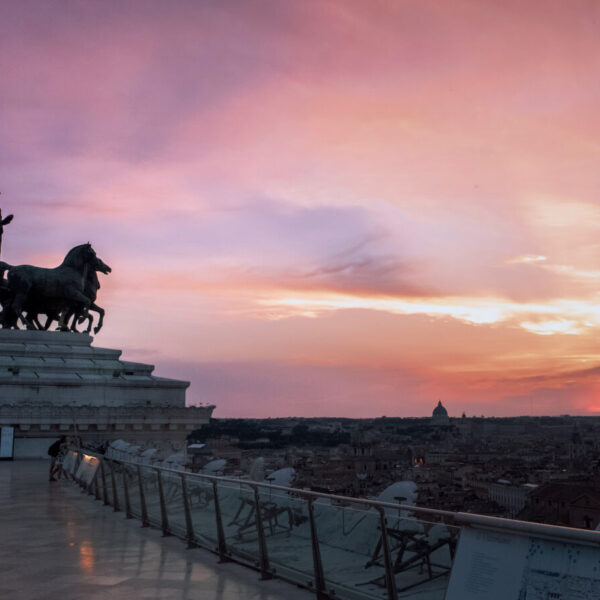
66	294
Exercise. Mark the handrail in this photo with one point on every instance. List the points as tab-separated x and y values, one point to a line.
555	532
525	527
408	547
297	491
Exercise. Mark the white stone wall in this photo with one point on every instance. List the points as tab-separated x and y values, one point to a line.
53	367
57	383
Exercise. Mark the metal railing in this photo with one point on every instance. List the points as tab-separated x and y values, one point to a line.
336	546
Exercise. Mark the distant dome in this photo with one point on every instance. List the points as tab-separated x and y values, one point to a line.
440	415
439	410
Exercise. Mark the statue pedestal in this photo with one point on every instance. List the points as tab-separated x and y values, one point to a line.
56	383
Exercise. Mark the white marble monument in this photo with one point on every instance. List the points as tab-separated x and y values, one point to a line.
56	383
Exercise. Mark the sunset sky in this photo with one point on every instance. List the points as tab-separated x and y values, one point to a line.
345	208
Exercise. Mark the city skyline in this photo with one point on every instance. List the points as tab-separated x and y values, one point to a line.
320	209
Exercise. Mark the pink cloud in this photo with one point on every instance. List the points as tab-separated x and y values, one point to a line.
220	154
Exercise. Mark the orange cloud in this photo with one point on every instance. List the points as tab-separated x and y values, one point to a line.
310	186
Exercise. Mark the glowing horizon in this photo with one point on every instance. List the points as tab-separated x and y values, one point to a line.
318	208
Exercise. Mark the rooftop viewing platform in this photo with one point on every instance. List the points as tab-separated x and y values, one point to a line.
336	547
58	544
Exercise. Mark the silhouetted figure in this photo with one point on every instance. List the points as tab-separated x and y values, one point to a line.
53	452
3	222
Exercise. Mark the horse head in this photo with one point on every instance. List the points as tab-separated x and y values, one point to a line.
79	256
83	255
92	284
101	266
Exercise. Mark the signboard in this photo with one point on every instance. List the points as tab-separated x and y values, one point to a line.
7	439
500	566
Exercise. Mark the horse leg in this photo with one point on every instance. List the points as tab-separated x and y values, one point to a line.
100	312
64	319
49	319
85	315
15	310
72	318
19	285
78	302
75	321
82	316
35	319
29	319
29	323
90	321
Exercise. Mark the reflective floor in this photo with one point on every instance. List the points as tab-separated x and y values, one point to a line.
58	543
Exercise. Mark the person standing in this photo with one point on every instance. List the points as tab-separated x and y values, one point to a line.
59	472
53	452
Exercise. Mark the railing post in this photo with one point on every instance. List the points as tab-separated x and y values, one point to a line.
142	498
163	506
262	544
189	526
316	552
126	493
77	463
96	486
222	544
114	487
104	492
390	577
90	486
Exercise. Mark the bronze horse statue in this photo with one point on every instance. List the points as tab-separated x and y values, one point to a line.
90	289
63	314
31	291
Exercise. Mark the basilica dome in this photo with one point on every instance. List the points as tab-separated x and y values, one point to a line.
440	415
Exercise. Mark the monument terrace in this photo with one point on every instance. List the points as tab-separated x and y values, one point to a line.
56	383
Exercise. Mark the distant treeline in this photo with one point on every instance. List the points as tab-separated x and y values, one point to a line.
254	434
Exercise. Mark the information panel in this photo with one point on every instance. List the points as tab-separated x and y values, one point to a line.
498	566
7	438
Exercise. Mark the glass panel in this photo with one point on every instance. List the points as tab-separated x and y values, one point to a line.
78	459
349	540
349	533
150	484
239	521
134	490
118	470
174	502
70	463
352	551
106	478
287	534
202	508
422	553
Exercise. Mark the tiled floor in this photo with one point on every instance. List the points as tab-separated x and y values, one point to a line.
57	543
